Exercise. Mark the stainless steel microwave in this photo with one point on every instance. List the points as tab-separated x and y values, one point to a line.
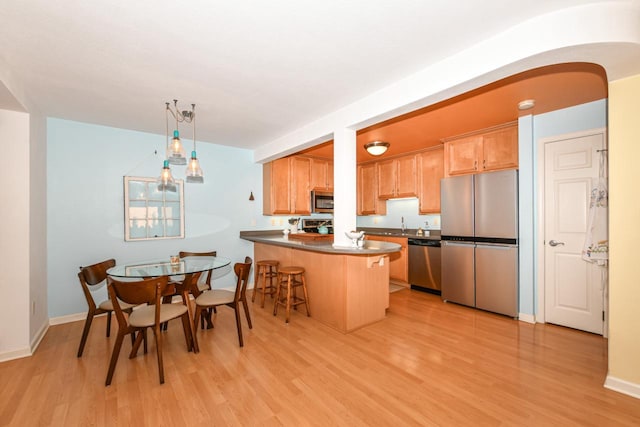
321	202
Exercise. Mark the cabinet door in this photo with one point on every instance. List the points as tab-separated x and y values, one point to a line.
368	203
462	155
330	175
386	179
431	171
319	174
301	197
406	176
399	261
500	149
278	187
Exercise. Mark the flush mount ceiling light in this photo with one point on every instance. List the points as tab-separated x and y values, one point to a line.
527	104
377	148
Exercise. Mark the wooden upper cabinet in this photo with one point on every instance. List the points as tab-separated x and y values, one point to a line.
397	177
430	172
276	179
500	149
482	152
321	174
367	191
462	155
301	193
286	186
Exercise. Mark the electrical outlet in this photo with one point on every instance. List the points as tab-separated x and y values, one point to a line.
253	222
273	221
280	221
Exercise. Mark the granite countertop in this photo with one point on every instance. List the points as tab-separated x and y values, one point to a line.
276	237
396	232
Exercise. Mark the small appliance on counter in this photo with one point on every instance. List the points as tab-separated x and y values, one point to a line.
321	226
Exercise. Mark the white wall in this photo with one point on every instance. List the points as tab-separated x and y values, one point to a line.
85	168
39	316
14	232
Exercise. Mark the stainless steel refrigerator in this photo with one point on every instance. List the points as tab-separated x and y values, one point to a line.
480	241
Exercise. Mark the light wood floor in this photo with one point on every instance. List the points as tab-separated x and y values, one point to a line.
427	363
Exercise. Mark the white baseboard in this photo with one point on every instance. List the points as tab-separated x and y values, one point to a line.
622	386
528	318
15	354
35	342
68	318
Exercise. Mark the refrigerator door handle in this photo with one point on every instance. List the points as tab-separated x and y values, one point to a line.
497	245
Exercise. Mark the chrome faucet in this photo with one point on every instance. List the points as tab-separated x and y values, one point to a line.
403	228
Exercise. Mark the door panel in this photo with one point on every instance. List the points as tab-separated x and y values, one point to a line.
496	204
458	266
573	287
457	206
497	279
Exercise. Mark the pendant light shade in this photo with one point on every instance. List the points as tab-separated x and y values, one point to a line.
166	181
194	171
377	148
175	151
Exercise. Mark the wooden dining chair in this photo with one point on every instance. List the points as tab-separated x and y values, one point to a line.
233	299
92	277
150	292
204	283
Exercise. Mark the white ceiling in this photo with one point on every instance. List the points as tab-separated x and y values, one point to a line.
257	70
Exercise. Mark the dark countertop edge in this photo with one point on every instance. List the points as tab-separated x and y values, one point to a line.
276	238
396	232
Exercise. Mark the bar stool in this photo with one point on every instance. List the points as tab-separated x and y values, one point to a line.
290	278
265	269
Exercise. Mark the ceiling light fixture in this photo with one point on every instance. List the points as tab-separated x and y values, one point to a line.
527	104
377	148
175	149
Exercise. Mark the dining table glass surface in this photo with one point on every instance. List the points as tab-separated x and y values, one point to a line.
157	268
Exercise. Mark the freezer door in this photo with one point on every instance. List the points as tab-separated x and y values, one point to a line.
458	273
496	204
457	206
497	278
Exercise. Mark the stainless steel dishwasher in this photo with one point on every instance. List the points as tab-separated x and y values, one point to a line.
424	265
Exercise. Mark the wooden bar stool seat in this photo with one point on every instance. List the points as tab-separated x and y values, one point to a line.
266	270
289	279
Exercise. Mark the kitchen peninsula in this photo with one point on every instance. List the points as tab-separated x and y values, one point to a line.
348	287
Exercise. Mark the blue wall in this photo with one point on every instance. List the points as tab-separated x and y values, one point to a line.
85	168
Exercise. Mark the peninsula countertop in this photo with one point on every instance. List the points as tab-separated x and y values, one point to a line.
275	237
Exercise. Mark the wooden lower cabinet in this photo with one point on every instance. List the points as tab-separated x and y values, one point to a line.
346	292
399	261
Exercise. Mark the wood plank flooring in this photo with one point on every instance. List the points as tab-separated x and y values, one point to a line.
428	363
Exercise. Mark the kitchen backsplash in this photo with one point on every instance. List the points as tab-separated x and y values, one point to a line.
396	209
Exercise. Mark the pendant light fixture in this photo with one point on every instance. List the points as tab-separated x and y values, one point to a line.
166	181
175	149
194	171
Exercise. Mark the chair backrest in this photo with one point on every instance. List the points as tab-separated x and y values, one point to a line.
242	270
146	291
93	275
206	279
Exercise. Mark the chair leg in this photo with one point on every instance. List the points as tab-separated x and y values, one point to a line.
290	278
246	312
108	324
255	284
306	296
198	315
278	290
85	332
114	356
190	333
238	324
158	336
136	345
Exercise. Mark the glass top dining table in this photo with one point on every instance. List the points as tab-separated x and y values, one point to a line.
157	268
